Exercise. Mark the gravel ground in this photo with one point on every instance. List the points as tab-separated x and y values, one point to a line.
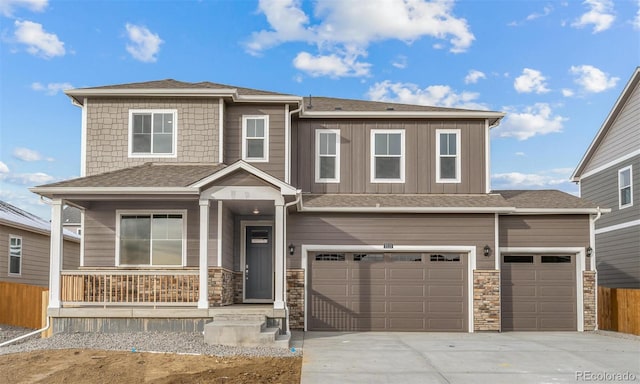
172	342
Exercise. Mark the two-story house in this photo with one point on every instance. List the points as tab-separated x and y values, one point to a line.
608	175
200	201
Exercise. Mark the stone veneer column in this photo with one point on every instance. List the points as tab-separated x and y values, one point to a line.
486	300
295	298
589	300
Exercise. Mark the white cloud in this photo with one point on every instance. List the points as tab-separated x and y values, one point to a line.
144	45
51	89
4	168
331	65
36	178
600	14
546	11
38	41
340	29
516	180
473	76
533	120
400	62
531	80
566	92
7	7
521	154
592	79
26	154
434	95
636	20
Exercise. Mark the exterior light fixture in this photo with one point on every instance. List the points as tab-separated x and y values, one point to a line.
256	211
486	250
589	251
292	249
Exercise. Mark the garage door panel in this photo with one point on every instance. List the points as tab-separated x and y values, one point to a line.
390	292
538	295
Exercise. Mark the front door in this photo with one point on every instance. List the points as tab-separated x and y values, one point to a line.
258	271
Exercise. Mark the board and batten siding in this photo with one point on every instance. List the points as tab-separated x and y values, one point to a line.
233	136
420	156
623	136
100	230
544	231
35	256
335	229
602	189
618	258
108	132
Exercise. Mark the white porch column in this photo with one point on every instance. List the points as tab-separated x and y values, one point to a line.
278	302
203	300
56	253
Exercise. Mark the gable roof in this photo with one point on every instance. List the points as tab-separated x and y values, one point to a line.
13	216
548	200
608	123
175	84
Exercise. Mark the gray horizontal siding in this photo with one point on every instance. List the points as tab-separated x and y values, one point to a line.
420	156
623	136
400	229
602	189
618	258
35	256
100	230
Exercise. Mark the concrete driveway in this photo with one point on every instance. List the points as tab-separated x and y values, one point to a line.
513	357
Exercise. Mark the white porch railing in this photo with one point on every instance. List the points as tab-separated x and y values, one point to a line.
130	287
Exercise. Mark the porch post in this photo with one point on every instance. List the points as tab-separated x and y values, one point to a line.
203	300
278	302
56	253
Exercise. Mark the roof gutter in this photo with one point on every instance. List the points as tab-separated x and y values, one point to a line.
495	117
49	191
378	209
560	211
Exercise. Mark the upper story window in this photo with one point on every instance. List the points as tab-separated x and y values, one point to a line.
152	239
327	155
255	138
447	155
387	156
15	255
625	185
152	133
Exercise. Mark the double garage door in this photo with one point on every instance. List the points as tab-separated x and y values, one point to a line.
388	291
538	292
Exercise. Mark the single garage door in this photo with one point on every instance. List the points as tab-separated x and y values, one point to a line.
538	293
388	292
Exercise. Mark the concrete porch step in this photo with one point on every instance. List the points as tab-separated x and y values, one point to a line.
244	331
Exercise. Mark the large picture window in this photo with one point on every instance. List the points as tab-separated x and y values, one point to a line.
625	185
387	156
448	156
255	138
152	133
15	255
156	239
327	155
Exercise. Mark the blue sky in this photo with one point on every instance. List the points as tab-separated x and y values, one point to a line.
555	67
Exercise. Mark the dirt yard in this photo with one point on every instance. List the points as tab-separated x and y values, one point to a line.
94	366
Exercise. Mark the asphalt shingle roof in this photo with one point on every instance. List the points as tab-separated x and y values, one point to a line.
10	214
175	84
546	198
332	104
402	200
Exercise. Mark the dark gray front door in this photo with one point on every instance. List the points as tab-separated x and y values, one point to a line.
258	272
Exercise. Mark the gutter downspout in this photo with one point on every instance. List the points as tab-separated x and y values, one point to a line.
592	241
286	252
46	327
287	142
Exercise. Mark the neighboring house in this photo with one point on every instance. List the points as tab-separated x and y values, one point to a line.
204	201
608	174
72	219
25	244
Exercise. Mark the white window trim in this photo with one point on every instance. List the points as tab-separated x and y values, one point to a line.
183	212
372	144
337	156
457	179
9	256
174	144
264	159
630	169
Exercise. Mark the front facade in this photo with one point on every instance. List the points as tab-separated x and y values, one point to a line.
608	175
332	214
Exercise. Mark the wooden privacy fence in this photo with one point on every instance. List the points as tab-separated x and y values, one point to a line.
23	305
619	310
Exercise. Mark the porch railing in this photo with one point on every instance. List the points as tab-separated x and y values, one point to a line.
130	287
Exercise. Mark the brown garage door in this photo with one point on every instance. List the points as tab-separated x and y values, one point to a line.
538	293
388	292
